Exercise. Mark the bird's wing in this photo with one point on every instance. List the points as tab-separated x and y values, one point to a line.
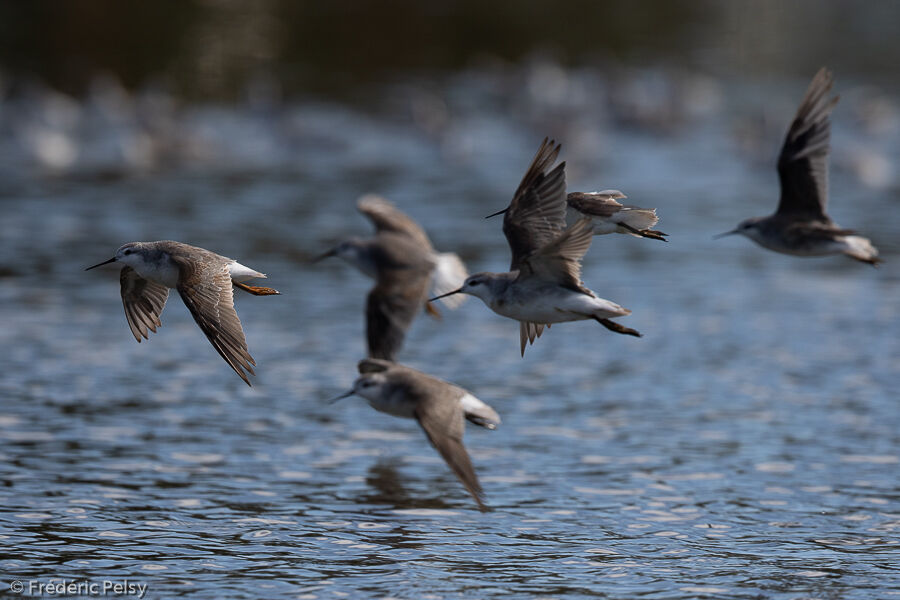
803	162
390	309
537	212
448	275
143	300
444	424
385	216
560	260
207	292
596	204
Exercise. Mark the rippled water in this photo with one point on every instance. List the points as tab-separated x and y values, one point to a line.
746	447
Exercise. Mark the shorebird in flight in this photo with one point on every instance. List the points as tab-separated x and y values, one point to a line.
543	285
204	281
405	267
610	216
800	225
441	409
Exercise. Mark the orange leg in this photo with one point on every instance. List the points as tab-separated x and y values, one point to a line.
256	291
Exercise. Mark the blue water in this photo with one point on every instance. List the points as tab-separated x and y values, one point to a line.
746	447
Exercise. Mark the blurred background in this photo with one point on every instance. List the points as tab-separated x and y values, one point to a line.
121	87
746	447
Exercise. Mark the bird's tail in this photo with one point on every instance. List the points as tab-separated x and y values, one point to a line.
449	274
636	218
860	248
478	412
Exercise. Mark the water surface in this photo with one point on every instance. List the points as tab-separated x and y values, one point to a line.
746	447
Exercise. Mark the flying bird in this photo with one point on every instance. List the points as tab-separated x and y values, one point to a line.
543	285
800	225
441	409
406	268
610	216
204	281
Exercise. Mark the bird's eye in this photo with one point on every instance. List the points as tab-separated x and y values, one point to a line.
476	282
127	252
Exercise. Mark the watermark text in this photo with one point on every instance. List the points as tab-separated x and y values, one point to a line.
78	587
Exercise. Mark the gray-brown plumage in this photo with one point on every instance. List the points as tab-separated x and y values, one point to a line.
405	267
611	216
204	281
543	285
800	225
441	409
536	215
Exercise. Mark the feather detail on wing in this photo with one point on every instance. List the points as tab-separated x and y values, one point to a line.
560	260
803	162
537	212
208	294
143	300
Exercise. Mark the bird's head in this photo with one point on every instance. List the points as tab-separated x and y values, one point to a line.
747	228
478	285
132	254
369	385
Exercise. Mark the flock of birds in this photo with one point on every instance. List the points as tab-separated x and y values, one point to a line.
543	285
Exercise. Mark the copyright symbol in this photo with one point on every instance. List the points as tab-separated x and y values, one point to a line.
16	587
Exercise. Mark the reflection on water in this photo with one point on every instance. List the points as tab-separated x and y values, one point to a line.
745	447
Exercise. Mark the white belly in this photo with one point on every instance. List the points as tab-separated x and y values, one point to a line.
558	306
164	273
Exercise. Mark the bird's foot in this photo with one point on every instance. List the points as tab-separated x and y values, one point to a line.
653	234
256	290
613	326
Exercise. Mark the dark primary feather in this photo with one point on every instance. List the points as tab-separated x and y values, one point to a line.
803	162
143	300
207	292
537	212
